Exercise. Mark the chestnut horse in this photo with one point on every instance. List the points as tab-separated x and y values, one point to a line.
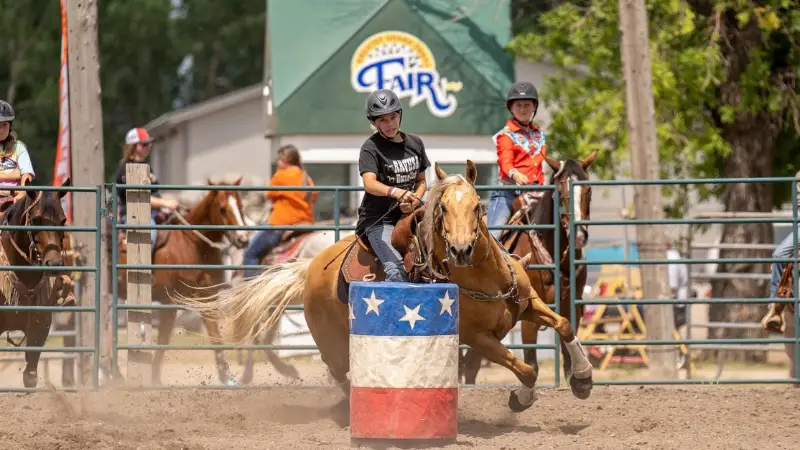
191	247
452	244
31	288
541	243
780	317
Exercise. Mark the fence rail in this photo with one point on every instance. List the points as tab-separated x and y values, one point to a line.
337	227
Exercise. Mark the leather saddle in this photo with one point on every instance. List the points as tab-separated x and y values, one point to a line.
361	263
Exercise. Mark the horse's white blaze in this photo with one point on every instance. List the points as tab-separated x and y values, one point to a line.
238	215
576	201
459	196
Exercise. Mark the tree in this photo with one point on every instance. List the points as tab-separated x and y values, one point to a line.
724	80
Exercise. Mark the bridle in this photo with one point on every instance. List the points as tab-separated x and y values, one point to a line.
33	257
426	261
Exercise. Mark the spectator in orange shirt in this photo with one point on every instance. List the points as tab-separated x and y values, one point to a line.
520	150
288	207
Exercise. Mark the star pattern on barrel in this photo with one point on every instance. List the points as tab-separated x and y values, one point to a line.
412	316
372	303
447	303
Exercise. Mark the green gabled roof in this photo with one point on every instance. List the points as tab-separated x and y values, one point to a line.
330	23
480	29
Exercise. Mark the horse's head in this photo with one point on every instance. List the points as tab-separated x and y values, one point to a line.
454	212
561	173
227	210
41	209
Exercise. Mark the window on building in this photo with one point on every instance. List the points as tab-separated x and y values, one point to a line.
330	175
487	175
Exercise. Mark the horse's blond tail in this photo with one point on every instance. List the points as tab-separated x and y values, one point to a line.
255	305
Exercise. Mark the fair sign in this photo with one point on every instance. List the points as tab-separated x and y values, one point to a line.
399	61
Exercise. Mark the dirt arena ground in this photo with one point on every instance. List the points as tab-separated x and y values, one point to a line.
294	414
699	417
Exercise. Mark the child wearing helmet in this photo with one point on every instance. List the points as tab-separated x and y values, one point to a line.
520	151
392	166
15	163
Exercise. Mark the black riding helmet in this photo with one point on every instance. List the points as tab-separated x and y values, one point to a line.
382	102
523	90
6	112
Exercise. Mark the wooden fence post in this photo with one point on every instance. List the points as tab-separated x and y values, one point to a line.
140	330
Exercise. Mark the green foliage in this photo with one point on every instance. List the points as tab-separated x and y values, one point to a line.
688	67
142	46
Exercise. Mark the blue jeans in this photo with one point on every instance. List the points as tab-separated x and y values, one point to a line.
500	210
263	242
380	238
783	250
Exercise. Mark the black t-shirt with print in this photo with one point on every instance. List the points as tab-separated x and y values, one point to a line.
396	164
121	193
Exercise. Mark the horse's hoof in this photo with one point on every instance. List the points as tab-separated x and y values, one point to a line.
774	325
581	387
30	379
290	371
515	405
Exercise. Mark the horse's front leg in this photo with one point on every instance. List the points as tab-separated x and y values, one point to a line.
487	344
580	369
35	336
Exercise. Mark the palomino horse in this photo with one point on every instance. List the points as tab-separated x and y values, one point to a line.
297	245
780	317
451	243
541	243
31	288
191	247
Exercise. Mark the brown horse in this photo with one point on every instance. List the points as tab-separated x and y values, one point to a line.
191	247
541	243
450	243
31	288
780	317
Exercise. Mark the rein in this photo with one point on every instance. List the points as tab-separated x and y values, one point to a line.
217	245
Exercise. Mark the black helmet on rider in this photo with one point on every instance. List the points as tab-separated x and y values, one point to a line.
382	102
522	90
6	112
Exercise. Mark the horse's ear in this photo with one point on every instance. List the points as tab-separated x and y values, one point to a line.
67	182
440	174
553	163
589	160
525	260
31	194
238	181
472	172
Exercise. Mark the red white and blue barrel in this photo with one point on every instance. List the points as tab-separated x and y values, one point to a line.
403	360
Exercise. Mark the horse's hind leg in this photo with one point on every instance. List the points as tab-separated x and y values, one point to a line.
471	363
166	321
282	367
214	335
530	334
36	336
580	377
488	345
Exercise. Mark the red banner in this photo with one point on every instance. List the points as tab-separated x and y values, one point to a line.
63	167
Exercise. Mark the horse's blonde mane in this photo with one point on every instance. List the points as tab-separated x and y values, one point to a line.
432	219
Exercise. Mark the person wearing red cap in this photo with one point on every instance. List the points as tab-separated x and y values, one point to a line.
136	150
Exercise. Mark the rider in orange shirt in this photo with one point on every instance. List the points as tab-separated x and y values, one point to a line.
288	207
520	151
